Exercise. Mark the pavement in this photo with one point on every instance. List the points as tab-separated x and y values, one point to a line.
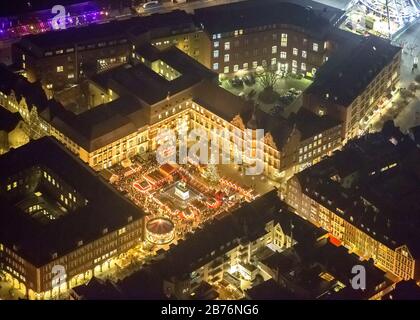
259	183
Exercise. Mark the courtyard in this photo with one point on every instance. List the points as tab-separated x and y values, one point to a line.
276	93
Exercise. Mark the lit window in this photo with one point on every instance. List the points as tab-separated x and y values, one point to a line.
226	57
235	68
315	47
295	51
254	64
303	66
245	65
226	69
227	45
294	63
283	42
215	66
60	68
304	55
216	44
273	61
215	53
274	49
283	55
70	75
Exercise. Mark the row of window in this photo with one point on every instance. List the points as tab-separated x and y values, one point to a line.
283	43
273	63
283	54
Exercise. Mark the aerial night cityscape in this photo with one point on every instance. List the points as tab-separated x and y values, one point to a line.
233	150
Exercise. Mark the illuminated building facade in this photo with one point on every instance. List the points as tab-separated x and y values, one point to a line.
316	269
123	121
64	58
12	131
59	220
353	92
252	228
241	235
268	34
365	196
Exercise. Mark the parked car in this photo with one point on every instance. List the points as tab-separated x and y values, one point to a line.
151	5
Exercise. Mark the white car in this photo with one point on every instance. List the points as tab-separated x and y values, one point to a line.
151	5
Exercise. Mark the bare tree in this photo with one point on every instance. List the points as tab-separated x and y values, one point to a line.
268	79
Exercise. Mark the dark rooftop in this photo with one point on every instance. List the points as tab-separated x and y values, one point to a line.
320	270
256	13
154	87
31	92
269	290
247	222
36	242
159	24
380	196
97	289
405	290
341	80
138	87
8	120
309	124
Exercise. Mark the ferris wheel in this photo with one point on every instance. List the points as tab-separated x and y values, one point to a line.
399	10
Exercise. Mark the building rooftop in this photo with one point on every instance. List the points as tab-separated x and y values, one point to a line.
341	80
22	88
310	124
97	289
269	290
245	223
257	13
320	270
405	290
94	206
154	87
242	224
138	88
156	25
8	120
373	183
220	101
